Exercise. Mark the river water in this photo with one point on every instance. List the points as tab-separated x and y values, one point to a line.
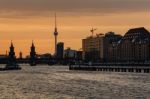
57	82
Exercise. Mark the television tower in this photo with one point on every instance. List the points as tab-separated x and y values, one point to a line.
55	34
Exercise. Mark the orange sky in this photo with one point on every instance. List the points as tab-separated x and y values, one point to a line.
24	24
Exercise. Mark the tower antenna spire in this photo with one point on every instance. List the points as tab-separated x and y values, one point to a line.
55	33
55	20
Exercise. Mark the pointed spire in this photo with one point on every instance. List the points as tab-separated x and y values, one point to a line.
12	44
32	43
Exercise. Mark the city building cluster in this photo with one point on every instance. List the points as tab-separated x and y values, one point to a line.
134	46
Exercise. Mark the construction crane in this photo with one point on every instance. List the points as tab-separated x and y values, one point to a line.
92	30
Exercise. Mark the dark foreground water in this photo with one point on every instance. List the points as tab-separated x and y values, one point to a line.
45	82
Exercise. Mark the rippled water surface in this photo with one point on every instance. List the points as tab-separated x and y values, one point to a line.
46	82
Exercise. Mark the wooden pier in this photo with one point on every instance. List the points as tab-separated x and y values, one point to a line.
112	68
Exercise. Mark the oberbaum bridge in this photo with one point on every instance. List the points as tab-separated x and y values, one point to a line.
12	63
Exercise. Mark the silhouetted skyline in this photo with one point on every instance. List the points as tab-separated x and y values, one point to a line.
24	20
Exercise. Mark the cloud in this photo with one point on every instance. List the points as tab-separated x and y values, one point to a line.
9	8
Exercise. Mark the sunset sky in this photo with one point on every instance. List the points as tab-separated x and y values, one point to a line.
25	20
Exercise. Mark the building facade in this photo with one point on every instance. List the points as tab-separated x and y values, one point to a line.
70	53
112	50
93	48
134	46
60	50
96	48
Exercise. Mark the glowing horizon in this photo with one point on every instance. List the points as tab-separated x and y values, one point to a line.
25	20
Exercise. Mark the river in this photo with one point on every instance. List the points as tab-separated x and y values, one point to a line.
57	82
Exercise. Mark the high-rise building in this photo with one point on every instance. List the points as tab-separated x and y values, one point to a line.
93	48
60	50
96	48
